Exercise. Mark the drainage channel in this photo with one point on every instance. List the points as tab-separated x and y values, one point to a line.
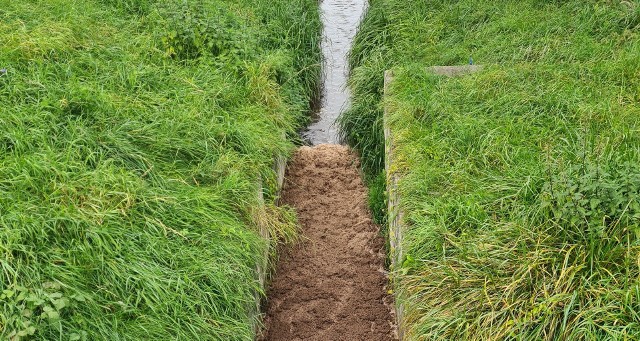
332	284
340	24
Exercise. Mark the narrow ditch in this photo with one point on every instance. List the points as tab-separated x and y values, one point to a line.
340	23
332	284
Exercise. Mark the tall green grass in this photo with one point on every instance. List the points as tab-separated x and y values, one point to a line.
132	137
521	183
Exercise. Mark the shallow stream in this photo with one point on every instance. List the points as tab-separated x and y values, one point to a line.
340	19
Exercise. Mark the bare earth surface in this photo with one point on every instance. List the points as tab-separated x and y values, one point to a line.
331	285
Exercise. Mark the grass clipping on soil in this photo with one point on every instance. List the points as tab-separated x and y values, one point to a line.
521	183
132	136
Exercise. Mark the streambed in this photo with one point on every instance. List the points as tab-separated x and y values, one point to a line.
332	284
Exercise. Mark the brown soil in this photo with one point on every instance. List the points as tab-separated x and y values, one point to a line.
330	286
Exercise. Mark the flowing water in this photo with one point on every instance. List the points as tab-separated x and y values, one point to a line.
341	19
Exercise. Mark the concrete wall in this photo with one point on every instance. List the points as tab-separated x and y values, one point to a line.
279	166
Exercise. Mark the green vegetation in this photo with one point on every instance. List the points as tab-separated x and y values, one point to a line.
521	183
133	134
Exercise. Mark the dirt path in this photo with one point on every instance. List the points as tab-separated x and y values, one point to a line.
330	286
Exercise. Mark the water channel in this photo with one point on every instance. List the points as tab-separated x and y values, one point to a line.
341	19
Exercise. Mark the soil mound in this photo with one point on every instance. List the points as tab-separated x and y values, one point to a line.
331	285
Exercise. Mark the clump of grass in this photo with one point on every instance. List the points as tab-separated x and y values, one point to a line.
521	182
128	175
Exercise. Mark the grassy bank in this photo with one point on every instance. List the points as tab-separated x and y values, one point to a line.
521	183
132	135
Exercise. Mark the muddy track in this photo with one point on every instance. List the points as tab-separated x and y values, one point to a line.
331	285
